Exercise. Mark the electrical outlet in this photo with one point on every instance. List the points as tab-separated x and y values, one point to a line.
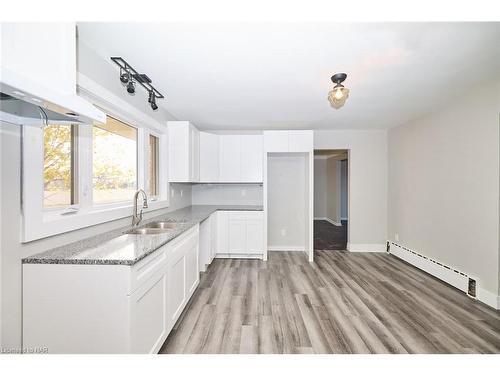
283	232
172	192
396	237
243	193
182	191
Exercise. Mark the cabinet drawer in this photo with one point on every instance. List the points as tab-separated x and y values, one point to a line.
147	267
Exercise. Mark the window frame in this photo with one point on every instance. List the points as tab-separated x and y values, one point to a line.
147	189
39	222
74	196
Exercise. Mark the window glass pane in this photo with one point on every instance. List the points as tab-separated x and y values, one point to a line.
58	160
153	165
114	162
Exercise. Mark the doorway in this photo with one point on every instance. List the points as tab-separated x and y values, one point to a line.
331	199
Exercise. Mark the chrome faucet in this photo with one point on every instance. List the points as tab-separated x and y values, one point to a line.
136	218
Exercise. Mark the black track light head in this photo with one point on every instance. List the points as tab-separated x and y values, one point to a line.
152	100
130	87
124	77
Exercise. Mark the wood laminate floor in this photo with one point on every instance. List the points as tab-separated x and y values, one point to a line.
343	303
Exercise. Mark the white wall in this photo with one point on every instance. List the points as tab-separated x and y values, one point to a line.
231	194
11	249
367	183
344	191
320	190
444	184
287	189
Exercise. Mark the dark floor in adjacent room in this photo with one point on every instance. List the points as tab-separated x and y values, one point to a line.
330	237
342	303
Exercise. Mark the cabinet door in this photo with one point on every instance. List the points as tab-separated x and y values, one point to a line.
209	157
251	158
192	274
213	235
255	235
230	158
205	244
149	322
194	154
222	232
276	140
300	141
176	278
179	145
236	233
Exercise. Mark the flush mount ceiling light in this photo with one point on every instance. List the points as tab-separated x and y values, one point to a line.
129	77
339	94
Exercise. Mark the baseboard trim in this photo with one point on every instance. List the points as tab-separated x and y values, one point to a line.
336	223
488	298
238	256
366	248
286	248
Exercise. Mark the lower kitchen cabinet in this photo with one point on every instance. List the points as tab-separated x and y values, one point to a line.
89	308
240	234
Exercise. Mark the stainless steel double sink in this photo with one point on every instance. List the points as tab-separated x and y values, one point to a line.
157	227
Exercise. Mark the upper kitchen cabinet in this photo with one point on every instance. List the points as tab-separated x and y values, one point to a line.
209	157
183	152
44	53
38	69
252	151
288	140
241	158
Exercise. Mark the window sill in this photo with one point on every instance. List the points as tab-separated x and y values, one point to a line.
60	221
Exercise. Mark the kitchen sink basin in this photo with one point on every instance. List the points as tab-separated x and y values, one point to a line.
163	225
148	230
157	227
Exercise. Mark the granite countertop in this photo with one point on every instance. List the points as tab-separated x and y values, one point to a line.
116	247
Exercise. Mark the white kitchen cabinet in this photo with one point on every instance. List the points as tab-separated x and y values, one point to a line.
148	306
183	275
209	157
230	158
183	152
43	52
276	140
236	233
194	154
240	234
110	308
208	241
241	158
300	141
254	233
288	140
252	152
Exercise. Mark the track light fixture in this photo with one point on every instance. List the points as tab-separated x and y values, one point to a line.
152	100
129	77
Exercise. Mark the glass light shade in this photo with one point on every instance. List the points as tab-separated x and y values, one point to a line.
338	96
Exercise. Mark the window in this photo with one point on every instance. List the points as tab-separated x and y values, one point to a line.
59	166
78	175
153	166
114	162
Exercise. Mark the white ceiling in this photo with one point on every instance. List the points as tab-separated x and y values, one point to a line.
264	76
